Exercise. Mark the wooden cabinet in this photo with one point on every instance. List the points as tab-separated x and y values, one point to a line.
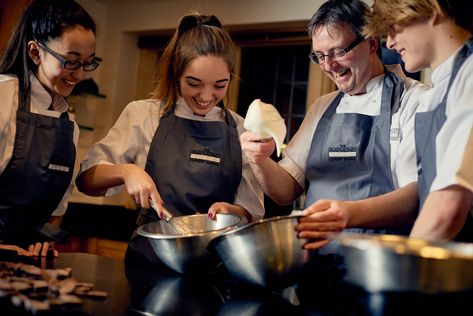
10	14
94	245
98	229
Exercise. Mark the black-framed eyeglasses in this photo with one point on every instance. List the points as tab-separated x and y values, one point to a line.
69	64
335	54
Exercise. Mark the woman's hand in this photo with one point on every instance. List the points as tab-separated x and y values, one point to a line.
140	186
34	250
223	207
19	251
322	221
43	249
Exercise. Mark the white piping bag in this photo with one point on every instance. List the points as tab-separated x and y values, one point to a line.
264	120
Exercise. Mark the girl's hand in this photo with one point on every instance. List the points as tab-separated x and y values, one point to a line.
227	208
42	249
140	186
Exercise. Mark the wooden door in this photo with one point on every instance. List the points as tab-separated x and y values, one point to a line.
10	14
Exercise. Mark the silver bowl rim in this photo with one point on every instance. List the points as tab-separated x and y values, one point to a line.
235	231
401	245
140	230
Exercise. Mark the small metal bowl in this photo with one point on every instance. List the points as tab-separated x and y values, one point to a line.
390	263
187	253
266	253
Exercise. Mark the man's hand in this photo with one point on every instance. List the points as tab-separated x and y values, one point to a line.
322	221
256	149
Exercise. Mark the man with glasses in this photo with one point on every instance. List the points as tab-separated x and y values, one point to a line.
354	153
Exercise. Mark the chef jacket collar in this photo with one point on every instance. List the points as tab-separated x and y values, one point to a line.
443	71
41	99
377	82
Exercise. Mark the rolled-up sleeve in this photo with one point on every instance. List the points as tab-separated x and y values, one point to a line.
249	195
296	152
128	141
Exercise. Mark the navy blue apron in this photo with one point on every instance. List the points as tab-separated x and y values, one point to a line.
427	126
36	177
349	158
194	164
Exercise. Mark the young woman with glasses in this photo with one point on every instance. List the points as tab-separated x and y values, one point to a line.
48	54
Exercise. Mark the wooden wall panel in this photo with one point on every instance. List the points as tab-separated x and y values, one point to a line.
10	14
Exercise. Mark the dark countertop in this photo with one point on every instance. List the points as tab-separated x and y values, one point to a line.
137	289
110	222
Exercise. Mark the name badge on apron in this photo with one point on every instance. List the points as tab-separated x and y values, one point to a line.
58	167
342	153
206	156
394	134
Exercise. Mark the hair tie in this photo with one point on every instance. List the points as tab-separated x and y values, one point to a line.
193	21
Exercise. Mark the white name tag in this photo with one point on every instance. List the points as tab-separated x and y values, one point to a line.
394	134
201	157
58	168
344	154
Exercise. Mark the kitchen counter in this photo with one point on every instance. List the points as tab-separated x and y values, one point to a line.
137	289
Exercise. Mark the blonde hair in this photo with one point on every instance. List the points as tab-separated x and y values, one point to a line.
386	13
197	35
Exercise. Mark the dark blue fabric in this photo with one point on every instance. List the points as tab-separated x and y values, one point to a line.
366	171
37	175
187	183
427	126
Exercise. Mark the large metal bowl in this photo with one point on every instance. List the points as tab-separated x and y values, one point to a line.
389	263
187	253
266	253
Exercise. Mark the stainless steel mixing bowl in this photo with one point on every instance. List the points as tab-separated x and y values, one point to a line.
385	263
265	253
187	253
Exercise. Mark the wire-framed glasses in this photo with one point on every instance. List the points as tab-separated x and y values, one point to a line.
335	54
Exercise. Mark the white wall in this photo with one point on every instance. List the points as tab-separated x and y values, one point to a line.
119	25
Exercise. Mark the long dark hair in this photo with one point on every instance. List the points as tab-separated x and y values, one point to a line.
197	35
43	21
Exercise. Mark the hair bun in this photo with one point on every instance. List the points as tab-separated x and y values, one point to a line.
191	21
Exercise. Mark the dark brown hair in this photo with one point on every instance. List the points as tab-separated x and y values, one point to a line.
197	35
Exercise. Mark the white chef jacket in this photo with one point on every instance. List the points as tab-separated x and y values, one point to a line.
453	141
402	141
129	140
40	103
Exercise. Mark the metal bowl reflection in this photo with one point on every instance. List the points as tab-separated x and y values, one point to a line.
176	295
389	263
267	253
187	253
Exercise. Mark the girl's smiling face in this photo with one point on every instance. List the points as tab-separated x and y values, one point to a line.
76	44
204	83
